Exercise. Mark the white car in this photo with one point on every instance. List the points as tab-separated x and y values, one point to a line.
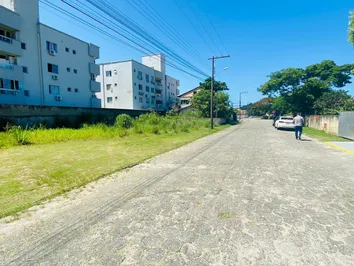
285	122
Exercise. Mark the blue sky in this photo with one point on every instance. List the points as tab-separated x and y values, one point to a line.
261	37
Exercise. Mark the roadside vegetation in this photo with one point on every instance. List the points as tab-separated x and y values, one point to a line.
38	163
321	135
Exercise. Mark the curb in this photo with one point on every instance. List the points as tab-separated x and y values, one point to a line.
340	148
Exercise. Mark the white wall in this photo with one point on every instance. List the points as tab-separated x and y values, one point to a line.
7	3
28	34
121	85
66	59
157	62
171	90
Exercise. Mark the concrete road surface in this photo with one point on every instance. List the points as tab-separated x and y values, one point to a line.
249	195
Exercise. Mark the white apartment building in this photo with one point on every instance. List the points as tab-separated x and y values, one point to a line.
42	66
138	86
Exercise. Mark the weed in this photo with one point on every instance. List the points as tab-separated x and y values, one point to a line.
21	135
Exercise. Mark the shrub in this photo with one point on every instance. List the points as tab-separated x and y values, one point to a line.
21	135
124	121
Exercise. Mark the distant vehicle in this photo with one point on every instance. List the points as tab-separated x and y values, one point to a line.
264	117
284	122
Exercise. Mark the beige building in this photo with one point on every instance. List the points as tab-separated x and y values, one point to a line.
186	98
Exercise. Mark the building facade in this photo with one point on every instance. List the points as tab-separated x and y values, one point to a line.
42	66
139	86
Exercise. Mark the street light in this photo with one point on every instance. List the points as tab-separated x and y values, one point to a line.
216	107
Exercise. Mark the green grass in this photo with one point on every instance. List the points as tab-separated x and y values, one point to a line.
64	159
321	135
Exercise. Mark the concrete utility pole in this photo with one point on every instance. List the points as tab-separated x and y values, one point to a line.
212	87
244	92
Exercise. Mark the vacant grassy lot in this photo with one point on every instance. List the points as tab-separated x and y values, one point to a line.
33	173
321	135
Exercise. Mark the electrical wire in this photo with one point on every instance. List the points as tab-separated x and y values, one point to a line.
140	49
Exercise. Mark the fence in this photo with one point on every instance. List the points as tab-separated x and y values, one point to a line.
346	125
327	123
29	115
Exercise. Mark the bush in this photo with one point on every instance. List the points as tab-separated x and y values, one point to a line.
21	135
124	121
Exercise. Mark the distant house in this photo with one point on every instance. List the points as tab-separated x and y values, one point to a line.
186	98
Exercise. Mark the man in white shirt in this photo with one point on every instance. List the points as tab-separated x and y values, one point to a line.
299	122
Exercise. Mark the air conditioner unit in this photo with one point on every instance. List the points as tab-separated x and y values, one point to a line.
58	98
52	52
55	77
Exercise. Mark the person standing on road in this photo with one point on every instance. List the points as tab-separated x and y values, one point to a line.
299	122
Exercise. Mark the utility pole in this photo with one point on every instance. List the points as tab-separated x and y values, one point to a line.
244	92
212	87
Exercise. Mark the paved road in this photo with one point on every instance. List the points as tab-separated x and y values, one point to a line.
245	196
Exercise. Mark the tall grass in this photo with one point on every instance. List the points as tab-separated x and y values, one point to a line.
150	123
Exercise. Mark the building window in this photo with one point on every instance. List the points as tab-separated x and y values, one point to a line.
134	70
140	99
147	89
23	46
68	69
135	97
134	84
10	84
76	90
152	79
25	69
53	68
109	86
115	72
93	77
147	100
26	93
115	84
54	90
75	71
109	99
74	51
52	47
140	87
152	90
69	89
67	49
140	75
108	73
147	77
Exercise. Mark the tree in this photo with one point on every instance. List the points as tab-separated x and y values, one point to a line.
201	103
300	88
218	85
261	107
334	102
351	28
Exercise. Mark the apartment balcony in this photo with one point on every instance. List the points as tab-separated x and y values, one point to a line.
95	86
10	46
94	69
10	71
94	51
159	84
9	19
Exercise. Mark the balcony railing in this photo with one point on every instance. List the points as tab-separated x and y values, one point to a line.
5	39
6	66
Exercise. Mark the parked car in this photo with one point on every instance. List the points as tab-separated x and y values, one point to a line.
284	122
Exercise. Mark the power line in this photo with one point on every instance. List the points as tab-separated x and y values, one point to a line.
201	36
121	18
196	16
163	29
212	24
142	50
169	26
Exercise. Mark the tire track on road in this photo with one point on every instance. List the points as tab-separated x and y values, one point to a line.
42	248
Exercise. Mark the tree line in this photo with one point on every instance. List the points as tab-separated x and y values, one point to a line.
316	89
